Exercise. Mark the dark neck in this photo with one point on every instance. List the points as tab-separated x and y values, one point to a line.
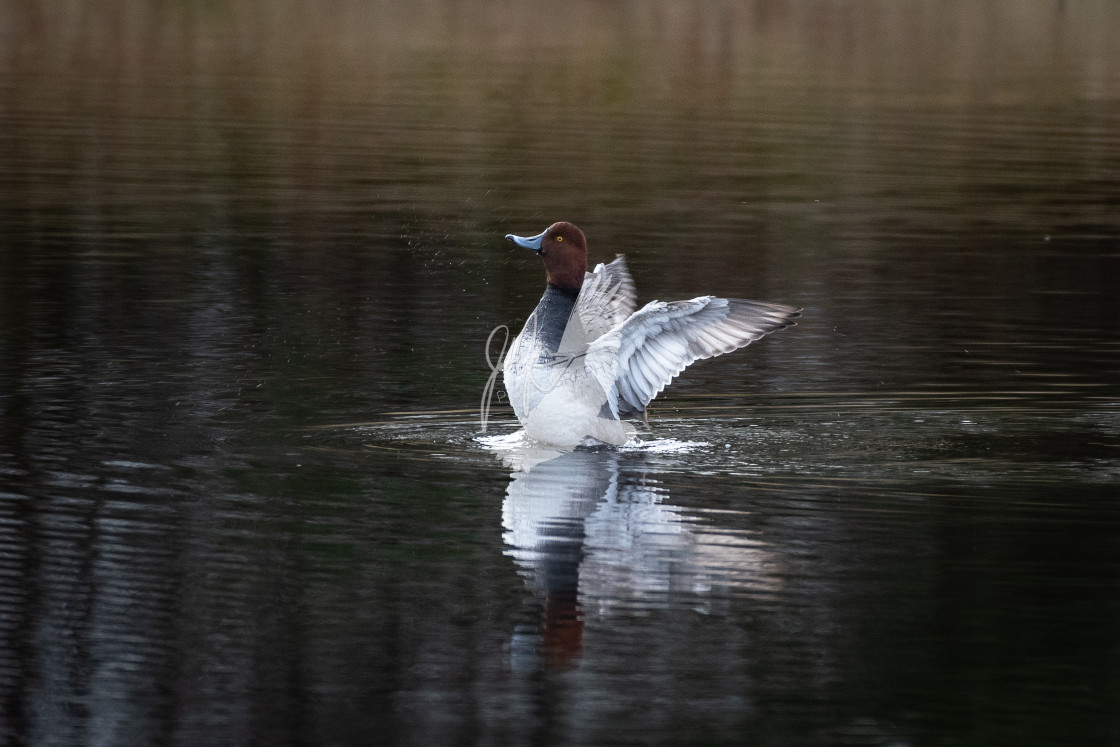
552	314
571	292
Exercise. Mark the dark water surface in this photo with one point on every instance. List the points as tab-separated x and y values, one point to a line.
249	258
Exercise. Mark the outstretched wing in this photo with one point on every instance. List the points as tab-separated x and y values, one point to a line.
607	298
640	357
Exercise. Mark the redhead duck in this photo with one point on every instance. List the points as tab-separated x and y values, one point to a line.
586	358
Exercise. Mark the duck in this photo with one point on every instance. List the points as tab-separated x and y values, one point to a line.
587	359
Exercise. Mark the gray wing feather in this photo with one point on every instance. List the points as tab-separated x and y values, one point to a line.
607	298
638	358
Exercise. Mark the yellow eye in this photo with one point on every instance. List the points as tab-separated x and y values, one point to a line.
559	238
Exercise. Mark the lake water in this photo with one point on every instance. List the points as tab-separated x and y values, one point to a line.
250	255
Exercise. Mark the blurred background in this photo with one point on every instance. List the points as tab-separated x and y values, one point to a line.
250	253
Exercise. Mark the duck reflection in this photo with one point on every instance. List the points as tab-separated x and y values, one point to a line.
593	536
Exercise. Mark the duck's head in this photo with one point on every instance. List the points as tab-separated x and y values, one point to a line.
563	248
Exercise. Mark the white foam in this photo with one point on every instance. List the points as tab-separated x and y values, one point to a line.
503	440
663	446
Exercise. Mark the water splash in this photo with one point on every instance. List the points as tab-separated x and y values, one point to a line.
495	369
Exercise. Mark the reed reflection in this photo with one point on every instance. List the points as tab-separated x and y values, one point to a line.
594	537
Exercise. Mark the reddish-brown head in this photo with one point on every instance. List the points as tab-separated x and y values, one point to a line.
563	248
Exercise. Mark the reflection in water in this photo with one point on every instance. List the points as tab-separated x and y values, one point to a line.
593	536
131	611
224	223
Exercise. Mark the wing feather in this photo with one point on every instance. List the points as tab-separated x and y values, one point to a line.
607	298
639	357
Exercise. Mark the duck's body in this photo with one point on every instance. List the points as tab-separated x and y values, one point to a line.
586	358
557	397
